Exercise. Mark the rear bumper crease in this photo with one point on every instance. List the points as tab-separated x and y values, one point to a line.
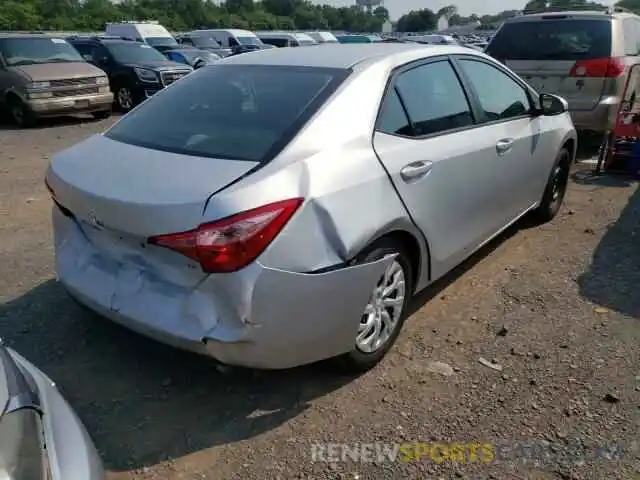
257	317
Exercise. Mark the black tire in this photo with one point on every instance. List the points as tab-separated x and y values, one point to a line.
122	92
357	361
101	115
555	189
20	113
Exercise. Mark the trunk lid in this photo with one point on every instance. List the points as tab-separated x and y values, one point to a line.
553	76
135	192
544	48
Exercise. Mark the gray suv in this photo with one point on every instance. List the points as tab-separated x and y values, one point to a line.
582	56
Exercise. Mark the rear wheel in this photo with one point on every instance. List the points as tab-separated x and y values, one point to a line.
556	188
20	113
386	310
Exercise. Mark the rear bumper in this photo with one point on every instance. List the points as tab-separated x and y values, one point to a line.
258	317
70	451
600	120
69	105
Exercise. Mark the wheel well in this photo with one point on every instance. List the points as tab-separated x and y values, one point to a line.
571	146
10	96
411	247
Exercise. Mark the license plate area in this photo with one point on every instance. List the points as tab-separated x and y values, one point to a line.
81	103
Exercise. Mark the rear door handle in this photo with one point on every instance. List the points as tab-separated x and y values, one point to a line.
415	170
503	146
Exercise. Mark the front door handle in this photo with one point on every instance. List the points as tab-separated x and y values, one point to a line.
415	170
503	146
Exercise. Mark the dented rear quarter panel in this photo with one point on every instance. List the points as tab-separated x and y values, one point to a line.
349	199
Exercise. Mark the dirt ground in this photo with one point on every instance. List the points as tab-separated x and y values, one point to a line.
555	308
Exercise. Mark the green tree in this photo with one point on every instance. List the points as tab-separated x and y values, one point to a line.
417	21
381	13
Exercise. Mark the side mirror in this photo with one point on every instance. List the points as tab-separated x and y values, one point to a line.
552	104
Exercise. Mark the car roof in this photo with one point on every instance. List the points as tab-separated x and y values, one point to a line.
344	55
563	15
232	31
29	35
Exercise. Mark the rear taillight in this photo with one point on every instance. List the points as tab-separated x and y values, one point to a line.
598	67
233	242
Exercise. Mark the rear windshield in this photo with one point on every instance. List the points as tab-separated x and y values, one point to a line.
237	112
552	40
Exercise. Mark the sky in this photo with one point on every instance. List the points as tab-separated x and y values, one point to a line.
466	7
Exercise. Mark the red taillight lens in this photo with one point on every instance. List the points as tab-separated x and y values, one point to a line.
598	67
234	242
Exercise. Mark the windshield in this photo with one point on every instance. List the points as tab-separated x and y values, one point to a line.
191	55
202	41
134	53
30	51
552	40
248	40
160	41
243	112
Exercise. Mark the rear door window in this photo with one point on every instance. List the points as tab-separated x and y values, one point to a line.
243	112
434	98
552	39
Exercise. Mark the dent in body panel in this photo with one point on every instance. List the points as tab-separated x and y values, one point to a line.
316	317
349	200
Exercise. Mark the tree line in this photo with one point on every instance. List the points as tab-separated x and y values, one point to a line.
425	19
91	15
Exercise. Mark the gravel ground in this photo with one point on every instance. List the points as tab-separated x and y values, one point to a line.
553	311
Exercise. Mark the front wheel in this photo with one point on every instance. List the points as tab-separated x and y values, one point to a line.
556	188
386	310
21	114
124	99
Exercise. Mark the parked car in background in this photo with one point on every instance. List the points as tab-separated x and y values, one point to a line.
192	56
215	218
41	438
203	42
239	41
149	32
136	70
352	38
432	39
323	37
286	39
583	56
44	76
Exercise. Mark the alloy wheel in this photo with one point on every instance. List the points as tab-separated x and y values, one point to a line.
125	99
384	310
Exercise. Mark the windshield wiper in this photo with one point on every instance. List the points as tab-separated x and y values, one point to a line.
62	60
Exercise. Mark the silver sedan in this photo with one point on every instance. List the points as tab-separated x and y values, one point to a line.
280	208
40	436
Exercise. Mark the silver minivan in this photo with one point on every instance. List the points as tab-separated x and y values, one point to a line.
582	56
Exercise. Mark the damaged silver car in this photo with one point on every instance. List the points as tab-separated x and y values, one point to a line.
40	436
281	208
